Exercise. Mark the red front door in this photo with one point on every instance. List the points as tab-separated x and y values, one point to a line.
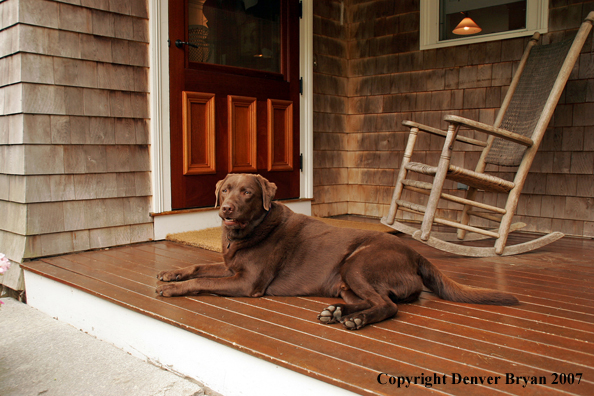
234	83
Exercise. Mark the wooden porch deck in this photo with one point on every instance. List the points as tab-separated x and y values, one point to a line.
444	347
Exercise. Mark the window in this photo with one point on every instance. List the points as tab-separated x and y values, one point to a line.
497	19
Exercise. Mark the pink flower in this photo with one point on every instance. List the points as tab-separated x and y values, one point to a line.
4	263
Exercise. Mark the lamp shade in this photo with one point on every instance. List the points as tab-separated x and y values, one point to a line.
466	26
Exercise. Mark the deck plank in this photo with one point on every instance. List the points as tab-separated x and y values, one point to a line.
551	331
447	346
334	342
205	322
490	342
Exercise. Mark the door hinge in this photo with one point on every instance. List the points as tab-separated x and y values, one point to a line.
300	85
300	9
301	162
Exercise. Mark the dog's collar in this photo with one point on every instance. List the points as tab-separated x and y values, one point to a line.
266	215
229	240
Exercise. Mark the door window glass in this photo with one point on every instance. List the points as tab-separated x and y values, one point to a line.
239	33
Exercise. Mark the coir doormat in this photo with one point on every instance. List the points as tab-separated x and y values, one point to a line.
210	238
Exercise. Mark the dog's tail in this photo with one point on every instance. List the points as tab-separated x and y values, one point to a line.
447	289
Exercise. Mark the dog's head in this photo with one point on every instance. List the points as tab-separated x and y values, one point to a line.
244	200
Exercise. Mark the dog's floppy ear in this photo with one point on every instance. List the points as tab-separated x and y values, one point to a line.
218	190
268	191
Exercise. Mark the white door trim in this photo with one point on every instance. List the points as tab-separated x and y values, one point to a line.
306	105
159	105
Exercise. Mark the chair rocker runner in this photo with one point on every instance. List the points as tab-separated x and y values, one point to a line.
512	141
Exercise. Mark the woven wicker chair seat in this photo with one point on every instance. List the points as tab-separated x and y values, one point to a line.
470	178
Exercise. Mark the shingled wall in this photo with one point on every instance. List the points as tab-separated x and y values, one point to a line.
74	154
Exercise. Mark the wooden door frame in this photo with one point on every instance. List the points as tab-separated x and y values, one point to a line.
159	103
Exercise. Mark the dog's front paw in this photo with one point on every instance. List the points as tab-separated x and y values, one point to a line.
167	290
331	314
169	276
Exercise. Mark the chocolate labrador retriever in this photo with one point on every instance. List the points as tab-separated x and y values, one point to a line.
270	250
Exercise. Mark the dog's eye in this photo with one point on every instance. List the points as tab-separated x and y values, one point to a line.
246	192
225	190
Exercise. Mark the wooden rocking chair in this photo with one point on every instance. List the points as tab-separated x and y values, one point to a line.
513	142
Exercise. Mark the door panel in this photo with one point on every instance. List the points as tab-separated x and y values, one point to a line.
198	133
243	135
280	135
241	80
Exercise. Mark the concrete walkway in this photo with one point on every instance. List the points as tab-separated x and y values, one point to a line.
42	356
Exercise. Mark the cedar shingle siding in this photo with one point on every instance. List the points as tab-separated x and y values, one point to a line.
74	132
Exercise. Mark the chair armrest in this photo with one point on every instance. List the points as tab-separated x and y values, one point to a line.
441	133
498	132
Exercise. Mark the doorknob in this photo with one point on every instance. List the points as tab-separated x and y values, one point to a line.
180	44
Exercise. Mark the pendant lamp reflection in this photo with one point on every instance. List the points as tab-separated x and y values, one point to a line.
466	27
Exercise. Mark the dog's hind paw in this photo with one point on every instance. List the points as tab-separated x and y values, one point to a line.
331	314
353	323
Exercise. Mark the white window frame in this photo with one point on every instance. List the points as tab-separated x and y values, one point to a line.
537	20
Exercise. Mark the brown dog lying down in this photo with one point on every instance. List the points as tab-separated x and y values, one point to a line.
270	250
